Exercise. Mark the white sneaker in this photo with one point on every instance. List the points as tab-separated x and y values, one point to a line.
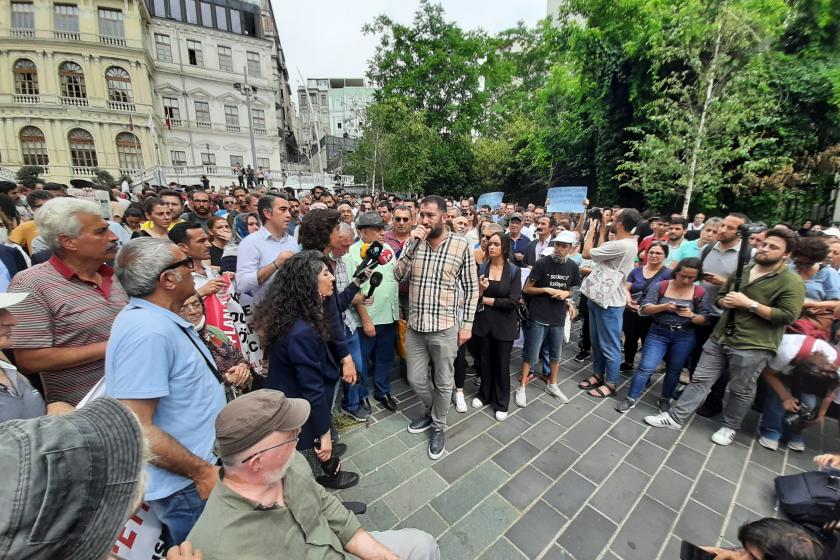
500	415
551	389
460	402
476	403
520	399
796	446
770	444
662	420
723	436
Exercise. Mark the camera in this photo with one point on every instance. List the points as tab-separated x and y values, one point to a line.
797	421
594	213
750	229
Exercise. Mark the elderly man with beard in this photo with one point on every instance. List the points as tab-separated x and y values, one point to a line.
63	326
746	337
437	265
549	287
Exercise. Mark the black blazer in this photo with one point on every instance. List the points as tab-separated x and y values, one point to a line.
13	260
500	320
531	256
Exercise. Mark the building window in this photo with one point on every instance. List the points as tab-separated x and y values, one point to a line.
23	15
208	159
221	18
72	80
254	64
129	151
206	14
119	85
160	8
235	21
33	146
338	126
323	100
263	163
192	12
163	47
66	18
231	115
194	53
237	160
249	24
82	149
179	159
225	59
171	110
26	77
175	10
303	100
258	116
202	111
111	23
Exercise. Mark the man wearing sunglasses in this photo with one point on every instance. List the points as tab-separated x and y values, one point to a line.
157	365
396	239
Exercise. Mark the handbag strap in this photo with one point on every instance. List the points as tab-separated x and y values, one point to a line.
210	364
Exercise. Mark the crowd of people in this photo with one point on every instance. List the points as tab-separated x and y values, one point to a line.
130	312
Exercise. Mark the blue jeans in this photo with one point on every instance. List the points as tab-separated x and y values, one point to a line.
541	336
178	512
380	350
605	332
660	342
353	394
772	426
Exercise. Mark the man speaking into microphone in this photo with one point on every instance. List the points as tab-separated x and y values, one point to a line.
377	315
437	263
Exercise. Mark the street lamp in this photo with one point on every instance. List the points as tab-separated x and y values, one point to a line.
249	91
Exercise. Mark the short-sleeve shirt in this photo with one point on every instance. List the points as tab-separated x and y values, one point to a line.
613	262
21	400
63	311
719	262
639	284
547	273
685	250
150	356
823	286
386	300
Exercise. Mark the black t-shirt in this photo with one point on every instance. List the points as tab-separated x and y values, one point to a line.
216	255
550	274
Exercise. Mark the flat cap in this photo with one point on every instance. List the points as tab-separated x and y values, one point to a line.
370	219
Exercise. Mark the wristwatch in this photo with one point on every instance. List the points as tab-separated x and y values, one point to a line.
753	307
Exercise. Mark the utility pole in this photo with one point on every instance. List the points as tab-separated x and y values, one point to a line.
248	91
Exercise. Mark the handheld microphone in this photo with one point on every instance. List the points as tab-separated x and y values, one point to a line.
385	258
415	242
374	280
371	258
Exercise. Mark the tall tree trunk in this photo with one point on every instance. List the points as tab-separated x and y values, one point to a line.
701	129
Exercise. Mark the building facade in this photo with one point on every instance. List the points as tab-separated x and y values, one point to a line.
156	91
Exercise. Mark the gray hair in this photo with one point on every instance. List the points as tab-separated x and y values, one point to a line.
60	216
346	229
715	222
140	262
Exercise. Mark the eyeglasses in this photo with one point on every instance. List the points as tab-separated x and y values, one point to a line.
487	237
249	457
188	262
397	219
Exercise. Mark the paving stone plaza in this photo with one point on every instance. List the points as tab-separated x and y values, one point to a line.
574	481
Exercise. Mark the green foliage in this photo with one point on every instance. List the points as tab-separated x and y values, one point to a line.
28	175
102	179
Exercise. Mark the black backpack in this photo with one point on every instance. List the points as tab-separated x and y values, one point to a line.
809	498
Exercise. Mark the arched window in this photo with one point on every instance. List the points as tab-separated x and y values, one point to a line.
26	77
129	151
82	149
33	146
119	85
72	80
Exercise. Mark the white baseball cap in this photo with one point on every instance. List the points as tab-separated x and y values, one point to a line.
9	299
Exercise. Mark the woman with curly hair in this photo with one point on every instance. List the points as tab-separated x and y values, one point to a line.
292	321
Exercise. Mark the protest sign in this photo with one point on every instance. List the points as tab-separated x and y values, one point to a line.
240	314
566	199
102	198
492	199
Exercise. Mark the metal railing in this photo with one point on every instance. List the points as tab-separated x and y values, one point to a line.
74	101
29	99
115	41
121	106
22	33
260	131
67	35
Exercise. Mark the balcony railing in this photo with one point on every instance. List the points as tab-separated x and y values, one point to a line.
27	98
128	171
175	123
121	106
67	35
83	171
233	128
74	101
260	131
203	125
23	33
115	41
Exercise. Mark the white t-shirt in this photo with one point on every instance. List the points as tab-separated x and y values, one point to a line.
789	348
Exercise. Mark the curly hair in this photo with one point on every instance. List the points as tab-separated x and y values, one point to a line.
813	249
292	295
316	228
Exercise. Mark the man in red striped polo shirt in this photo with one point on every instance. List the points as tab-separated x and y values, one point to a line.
64	324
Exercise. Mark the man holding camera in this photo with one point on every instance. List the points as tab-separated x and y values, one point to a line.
768	297
613	261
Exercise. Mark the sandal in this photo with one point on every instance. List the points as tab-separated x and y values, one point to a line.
592	382
602	391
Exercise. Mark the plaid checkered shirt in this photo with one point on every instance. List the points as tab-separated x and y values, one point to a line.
435	276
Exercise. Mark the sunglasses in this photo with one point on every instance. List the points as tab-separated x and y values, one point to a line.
401	219
188	262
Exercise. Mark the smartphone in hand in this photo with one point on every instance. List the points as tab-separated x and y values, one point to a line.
689	551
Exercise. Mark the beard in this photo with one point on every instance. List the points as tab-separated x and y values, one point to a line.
436	231
764	260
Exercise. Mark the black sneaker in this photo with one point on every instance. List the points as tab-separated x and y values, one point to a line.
582	356
366	404
360	414
436	443
420	426
340	481
625	405
625	367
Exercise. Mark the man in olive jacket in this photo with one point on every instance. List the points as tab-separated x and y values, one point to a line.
771	298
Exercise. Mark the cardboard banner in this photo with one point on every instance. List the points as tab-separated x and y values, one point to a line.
102	198
492	199
566	199
249	342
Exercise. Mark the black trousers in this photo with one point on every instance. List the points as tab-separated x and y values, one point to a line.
461	365
584	343
494	370
635	329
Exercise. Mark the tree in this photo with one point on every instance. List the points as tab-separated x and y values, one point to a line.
102	179
29	175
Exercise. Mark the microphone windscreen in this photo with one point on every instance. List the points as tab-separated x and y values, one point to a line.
384	258
364	250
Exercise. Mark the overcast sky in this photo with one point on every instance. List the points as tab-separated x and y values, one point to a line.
323	38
